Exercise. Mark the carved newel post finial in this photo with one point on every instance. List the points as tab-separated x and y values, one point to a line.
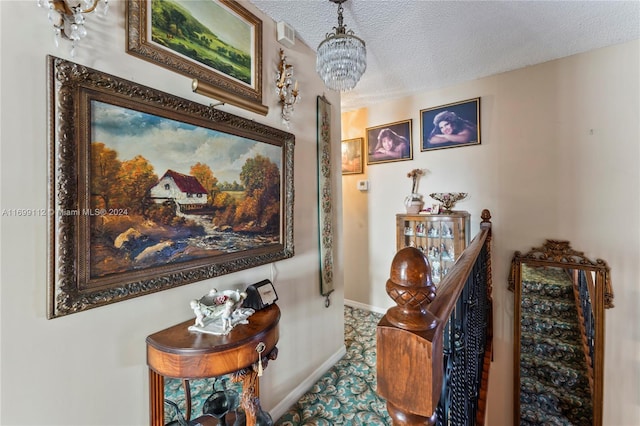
411	288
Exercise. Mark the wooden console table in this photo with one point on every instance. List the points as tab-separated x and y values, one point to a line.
182	354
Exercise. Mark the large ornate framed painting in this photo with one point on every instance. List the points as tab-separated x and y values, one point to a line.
216	42
149	191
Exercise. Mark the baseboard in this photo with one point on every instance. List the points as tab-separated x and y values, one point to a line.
295	395
359	305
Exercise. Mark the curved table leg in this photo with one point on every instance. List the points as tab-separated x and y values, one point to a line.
187	397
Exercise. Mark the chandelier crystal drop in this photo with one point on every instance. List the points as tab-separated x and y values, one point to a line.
67	17
342	57
286	89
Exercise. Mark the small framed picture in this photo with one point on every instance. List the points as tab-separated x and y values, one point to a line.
352	162
390	142
435	209
450	126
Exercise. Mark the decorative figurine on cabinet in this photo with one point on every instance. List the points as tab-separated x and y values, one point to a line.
219	312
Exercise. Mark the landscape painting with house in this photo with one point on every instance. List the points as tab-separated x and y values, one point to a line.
170	192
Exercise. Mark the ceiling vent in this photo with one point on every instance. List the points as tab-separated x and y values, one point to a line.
286	34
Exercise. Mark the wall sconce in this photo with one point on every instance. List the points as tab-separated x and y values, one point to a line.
288	95
67	18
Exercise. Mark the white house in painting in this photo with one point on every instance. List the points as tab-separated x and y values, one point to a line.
184	190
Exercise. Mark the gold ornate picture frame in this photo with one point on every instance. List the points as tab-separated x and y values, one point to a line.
450	126
390	142
218	44
352	156
149	191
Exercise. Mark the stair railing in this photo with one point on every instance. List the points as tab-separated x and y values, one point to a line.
583	292
434	348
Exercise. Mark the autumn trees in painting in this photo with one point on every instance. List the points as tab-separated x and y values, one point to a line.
162	225
261	204
126	184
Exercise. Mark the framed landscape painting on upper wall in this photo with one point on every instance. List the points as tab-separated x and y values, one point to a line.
389	142
149	191
449	126
217	42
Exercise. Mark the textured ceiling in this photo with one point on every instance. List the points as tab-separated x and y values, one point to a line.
419	45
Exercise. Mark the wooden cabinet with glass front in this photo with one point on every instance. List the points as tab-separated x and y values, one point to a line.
442	237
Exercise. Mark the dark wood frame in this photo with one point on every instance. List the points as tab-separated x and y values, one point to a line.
218	85
71	88
403	128
467	110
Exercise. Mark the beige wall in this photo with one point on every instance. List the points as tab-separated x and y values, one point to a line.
89	368
560	158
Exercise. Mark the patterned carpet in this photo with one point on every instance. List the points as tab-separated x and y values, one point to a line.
344	395
554	389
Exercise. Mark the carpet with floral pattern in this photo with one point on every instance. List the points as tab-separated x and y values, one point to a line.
554	386
344	395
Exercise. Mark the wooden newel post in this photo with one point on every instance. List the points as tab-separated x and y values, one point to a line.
409	343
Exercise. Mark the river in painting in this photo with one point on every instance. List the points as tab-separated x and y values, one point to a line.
226	240
130	243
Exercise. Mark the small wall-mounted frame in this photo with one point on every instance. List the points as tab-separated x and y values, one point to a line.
150	191
450	126
389	142
352	163
218	44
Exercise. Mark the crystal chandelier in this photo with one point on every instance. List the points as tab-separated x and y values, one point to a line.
342	57
67	18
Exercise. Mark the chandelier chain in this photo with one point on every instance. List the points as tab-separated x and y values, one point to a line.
342	57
